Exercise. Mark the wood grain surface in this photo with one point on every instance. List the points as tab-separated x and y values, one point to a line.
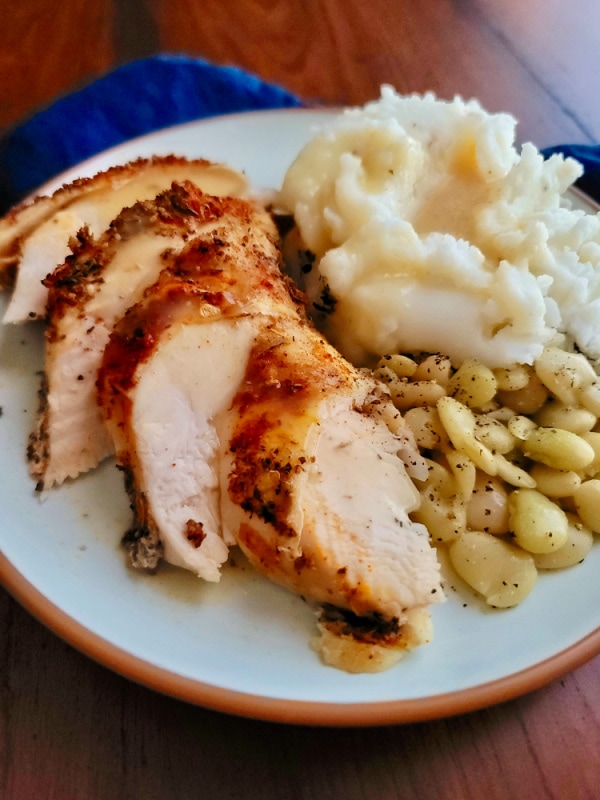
71	729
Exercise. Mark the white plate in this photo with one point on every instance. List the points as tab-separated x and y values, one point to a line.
243	646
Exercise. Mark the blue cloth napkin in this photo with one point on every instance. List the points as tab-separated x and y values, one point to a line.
134	99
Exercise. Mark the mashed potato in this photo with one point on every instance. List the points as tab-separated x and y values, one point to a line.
432	233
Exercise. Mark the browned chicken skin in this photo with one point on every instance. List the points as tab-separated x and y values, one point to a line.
34	236
87	295
220	282
287	434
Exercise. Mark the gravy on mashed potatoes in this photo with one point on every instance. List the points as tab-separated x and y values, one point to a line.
432	233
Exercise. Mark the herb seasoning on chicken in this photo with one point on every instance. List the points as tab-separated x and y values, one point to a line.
231	415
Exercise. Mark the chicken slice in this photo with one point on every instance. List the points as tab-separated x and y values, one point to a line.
169	373
87	295
174	465
235	421
34	237
317	496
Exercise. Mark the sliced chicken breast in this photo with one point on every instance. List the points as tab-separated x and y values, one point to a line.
170	371
175	420
34	237
87	295
236	422
317	496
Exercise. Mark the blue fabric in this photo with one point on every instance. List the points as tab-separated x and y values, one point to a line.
132	100
148	95
589	156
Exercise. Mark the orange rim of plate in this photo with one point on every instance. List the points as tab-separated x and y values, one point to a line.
283	709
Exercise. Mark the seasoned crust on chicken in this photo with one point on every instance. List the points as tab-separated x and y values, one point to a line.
286	449
318	498
87	295
34	236
370	643
170	370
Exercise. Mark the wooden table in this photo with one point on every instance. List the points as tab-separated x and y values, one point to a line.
73	730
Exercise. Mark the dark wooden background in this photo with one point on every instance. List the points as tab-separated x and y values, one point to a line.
72	730
537	59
